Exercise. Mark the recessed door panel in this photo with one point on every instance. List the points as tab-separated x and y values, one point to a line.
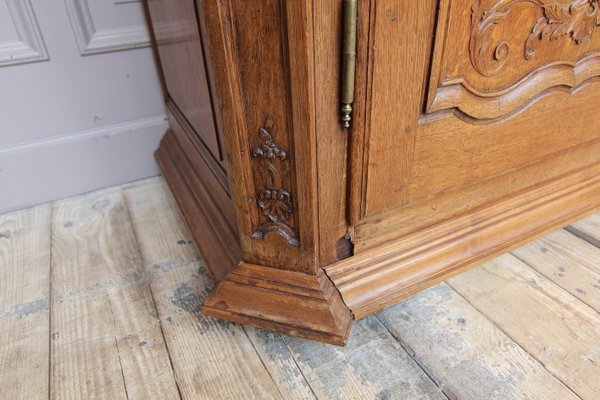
503	87
493	57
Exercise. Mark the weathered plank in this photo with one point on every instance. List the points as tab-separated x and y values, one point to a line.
107	341
211	358
553	326
105	337
465	353
280	363
24	299
588	229
189	287
373	365
163	233
568	261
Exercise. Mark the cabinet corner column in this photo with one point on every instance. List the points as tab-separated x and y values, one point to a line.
261	57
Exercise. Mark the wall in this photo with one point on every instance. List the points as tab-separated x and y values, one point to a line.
80	100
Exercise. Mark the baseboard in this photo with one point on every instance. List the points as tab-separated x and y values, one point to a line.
381	276
78	162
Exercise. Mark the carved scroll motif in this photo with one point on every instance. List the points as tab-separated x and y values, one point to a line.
575	19
274	202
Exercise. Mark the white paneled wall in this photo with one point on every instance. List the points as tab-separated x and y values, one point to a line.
80	100
20	37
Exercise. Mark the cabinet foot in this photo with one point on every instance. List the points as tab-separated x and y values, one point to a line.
289	302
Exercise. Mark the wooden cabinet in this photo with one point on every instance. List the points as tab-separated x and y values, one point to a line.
475	127
178	43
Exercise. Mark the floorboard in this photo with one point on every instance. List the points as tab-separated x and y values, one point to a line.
100	297
212	358
555	327
24	300
361	370
281	365
467	355
568	261
105	338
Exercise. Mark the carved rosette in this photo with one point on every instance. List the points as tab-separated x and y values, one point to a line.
274	202
574	19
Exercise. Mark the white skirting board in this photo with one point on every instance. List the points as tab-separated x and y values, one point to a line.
79	162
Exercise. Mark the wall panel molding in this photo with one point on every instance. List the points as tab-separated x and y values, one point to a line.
92	41
30	47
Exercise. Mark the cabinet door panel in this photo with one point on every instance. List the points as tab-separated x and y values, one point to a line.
182	61
505	86
393	88
496	56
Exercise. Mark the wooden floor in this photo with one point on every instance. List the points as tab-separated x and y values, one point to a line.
99	299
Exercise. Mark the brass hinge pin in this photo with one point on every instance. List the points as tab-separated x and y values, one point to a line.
348	59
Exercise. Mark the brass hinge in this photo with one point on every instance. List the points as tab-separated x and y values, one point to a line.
348	59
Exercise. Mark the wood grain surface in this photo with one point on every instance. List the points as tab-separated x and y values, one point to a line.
465	353
25	252
568	261
379	277
106	340
122	319
210	357
550	324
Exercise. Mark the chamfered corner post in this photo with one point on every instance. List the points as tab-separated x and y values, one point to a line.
265	87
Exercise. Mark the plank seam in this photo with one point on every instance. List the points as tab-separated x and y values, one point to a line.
263	363
312	390
51	261
413	356
584	236
514	341
162	332
112	314
160	323
552	281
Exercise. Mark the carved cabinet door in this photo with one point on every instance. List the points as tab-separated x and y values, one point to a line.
463	102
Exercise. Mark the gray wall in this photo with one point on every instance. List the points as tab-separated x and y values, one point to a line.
80	107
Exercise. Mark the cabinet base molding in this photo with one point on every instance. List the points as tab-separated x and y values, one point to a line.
302	305
372	280
289	302
202	202
322	306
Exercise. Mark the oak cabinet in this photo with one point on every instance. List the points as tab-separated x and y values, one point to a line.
474	128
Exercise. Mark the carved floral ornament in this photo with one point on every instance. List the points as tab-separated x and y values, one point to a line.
574	19
274	202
